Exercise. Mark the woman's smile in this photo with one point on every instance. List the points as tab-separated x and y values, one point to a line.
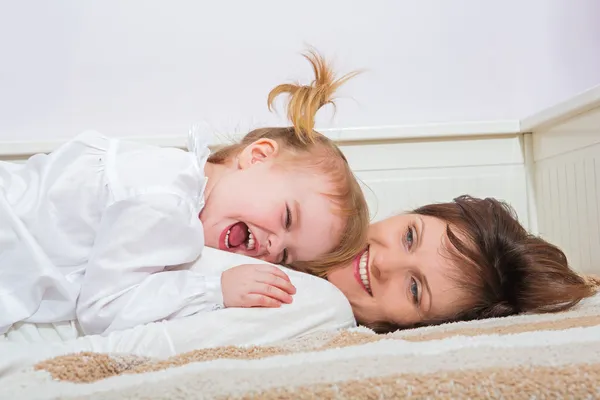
361	271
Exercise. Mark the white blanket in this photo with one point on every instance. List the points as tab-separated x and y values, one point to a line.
317	306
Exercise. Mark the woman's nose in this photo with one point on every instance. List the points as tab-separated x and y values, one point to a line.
387	267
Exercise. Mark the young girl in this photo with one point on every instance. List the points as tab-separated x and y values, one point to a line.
103	230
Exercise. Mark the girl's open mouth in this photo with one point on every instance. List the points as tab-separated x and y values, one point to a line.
238	237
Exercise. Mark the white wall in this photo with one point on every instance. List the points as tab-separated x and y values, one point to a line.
559	53
152	67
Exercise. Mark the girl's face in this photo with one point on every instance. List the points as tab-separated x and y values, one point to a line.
402	277
257	208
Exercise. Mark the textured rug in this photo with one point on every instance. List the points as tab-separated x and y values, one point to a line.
521	357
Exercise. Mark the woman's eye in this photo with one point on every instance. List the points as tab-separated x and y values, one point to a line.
410	237
414	290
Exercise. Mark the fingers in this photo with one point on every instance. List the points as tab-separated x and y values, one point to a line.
264	292
257	286
275	279
274	271
259	300
277	282
273	292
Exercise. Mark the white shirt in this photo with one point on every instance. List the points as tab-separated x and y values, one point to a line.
317	306
87	232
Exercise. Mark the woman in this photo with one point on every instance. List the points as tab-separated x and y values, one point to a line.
462	260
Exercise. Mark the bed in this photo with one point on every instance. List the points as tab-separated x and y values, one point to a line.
547	166
527	356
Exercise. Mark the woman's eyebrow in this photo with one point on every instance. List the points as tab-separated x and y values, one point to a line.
421	232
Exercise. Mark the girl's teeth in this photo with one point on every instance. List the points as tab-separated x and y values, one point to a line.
227	238
251	243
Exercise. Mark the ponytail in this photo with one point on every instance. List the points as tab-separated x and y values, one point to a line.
306	100
302	143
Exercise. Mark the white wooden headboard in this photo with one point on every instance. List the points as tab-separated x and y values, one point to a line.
400	168
404	174
566	167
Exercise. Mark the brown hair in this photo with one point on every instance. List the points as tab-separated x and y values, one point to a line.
503	269
303	144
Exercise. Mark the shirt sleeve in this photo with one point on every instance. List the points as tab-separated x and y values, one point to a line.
317	306
127	281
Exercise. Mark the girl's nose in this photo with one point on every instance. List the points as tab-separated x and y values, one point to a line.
275	248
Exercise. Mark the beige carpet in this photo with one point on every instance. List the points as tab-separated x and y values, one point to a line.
523	357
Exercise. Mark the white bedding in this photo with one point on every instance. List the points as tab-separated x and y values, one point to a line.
317	306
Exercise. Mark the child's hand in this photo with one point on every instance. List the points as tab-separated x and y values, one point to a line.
257	285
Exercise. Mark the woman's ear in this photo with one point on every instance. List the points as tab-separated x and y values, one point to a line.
260	151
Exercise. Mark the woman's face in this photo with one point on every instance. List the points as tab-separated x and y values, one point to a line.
403	277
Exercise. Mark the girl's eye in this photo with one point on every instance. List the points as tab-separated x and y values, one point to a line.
288	217
284	257
410	237
414	290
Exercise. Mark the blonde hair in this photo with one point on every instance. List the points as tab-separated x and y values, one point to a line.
304	144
